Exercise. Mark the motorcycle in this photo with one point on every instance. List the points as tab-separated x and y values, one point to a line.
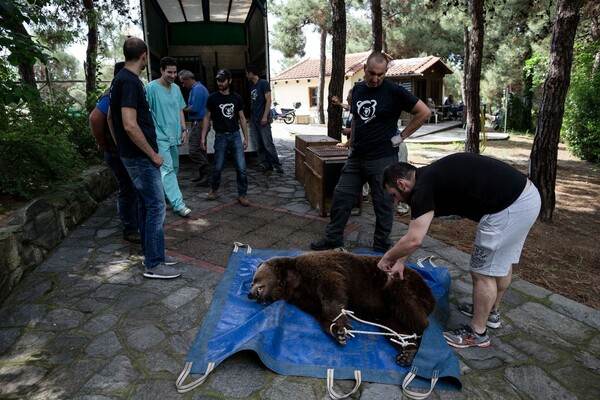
287	115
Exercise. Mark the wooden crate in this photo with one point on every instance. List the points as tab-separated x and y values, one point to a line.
302	143
323	167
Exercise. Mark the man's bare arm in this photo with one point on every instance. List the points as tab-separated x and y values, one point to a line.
97	121
393	260
421	113
137	137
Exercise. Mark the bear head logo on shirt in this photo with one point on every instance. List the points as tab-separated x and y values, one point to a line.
227	110
366	109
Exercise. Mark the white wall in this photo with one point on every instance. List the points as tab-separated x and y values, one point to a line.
285	93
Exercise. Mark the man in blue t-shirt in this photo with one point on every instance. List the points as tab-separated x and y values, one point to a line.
126	198
376	107
195	110
226	109
136	141
260	123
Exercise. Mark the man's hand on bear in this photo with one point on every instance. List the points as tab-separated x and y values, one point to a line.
392	267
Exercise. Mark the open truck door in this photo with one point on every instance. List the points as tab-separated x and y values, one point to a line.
204	36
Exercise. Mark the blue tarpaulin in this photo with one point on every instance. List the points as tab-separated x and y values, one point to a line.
290	342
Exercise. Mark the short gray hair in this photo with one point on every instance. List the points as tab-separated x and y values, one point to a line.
185	74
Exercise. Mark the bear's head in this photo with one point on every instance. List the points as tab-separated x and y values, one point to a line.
274	280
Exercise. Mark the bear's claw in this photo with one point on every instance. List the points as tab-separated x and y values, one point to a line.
406	356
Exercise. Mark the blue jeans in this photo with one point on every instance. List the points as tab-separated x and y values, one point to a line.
126	197
151	207
263	142
168	173
354	174
229	142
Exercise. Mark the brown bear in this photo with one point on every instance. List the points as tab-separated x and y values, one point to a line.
323	283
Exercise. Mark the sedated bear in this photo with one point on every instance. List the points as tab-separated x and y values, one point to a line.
323	283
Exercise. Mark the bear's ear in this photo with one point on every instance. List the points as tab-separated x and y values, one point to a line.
293	279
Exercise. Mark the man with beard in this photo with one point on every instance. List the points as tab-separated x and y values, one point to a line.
497	196
226	109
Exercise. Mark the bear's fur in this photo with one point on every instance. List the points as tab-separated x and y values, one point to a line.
323	283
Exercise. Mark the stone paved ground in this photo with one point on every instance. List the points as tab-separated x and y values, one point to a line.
87	325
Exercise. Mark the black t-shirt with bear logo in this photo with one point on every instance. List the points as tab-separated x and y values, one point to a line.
376	112
225	111
465	184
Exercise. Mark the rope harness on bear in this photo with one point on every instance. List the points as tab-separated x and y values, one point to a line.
396	337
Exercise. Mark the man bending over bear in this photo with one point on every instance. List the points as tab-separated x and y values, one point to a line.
504	202
323	283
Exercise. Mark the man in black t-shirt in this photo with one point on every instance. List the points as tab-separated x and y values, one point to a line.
226	109
136	142
500	198
376	106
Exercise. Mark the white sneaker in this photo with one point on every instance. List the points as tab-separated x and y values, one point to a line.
184	212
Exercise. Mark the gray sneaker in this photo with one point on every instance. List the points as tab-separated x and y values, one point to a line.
493	320
168	261
161	271
466	336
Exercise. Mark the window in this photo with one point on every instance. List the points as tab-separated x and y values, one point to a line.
313	92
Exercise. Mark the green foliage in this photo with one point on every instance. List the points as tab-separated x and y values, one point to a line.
40	145
581	123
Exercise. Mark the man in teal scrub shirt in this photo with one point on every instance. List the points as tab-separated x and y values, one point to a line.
167	104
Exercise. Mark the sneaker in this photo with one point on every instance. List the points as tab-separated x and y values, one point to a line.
132	238
466	337
161	271
212	195
279	169
325	244
168	261
493	320
243	201
402	209
184	212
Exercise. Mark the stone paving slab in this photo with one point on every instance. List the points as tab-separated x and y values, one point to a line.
86	324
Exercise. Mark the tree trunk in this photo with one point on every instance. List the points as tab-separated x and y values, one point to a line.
465	71
321	89
593	10
544	152
91	54
527	94
472	83
338	66
377	25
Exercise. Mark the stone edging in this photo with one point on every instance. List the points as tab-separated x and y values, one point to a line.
33	230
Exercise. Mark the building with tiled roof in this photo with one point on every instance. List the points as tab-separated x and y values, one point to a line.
423	76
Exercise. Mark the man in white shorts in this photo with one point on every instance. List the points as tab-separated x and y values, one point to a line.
504	202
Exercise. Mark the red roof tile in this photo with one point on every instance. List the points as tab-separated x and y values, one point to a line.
309	67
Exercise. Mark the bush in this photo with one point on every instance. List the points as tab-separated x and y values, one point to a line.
581	123
37	148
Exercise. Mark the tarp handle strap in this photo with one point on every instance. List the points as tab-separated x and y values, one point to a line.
335	395
428	259
238	245
418	395
184	388
399	338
